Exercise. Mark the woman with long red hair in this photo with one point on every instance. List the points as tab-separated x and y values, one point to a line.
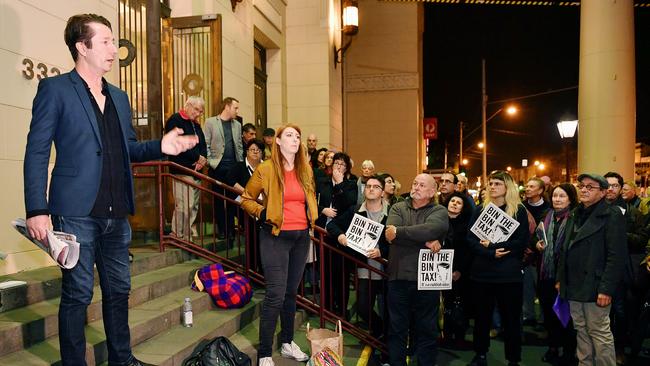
289	208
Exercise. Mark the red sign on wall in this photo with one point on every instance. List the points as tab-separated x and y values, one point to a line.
431	128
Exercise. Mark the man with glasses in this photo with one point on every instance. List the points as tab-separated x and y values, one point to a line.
186	197
591	266
619	318
370	284
613	195
413	224
448	182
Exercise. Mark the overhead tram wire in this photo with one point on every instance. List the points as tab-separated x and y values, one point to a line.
552	91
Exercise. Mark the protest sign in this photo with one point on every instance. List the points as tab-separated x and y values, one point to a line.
363	234
435	269
494	224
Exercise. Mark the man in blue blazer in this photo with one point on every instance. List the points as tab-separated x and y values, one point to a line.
91	189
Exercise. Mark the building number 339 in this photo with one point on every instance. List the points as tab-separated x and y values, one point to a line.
40	71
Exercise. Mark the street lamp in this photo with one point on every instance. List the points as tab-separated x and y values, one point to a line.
567	130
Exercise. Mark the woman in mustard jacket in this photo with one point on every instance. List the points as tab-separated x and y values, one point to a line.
289	208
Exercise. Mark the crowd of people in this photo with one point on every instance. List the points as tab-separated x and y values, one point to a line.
581	249
591	250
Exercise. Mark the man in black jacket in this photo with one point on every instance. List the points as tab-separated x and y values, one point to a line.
369	284
186	197
538	207
592	262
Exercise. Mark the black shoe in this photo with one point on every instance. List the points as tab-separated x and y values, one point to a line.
130	257
136	362
478	360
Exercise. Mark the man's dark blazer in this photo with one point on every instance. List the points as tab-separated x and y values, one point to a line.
63	113
592	257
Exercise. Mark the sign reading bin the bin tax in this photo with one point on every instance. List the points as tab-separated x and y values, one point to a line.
434	269
494	224
363	234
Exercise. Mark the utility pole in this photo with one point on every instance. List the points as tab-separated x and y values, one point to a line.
484	123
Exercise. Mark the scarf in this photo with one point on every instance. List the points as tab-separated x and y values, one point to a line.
554	222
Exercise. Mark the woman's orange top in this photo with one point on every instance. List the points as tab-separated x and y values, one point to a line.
293	210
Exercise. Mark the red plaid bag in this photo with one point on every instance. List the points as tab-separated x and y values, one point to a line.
228	290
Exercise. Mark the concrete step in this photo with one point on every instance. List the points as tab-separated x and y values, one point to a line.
29	325
45	283
145	321
171	347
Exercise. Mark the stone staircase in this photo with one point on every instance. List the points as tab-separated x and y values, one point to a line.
160	282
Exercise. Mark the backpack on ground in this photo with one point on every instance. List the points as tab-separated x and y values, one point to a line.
218	352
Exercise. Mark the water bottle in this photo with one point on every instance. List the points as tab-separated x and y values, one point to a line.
187	313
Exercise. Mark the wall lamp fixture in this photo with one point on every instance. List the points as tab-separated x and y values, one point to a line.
350	27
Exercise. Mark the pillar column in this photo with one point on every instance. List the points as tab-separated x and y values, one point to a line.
607	94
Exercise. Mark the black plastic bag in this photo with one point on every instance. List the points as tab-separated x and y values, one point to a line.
218	352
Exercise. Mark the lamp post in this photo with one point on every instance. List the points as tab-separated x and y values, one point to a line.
484	121
511	110
567	130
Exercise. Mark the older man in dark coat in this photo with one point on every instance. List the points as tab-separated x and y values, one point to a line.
592	263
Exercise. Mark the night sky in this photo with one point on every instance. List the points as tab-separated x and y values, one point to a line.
528	50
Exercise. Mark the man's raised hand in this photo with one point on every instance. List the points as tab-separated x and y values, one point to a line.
174	143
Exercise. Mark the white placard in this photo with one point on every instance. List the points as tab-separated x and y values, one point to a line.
494	224
363	234
435	269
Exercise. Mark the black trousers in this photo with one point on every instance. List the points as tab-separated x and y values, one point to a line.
639	309
223	211
456	310
336	281
558	336
508	298
367	292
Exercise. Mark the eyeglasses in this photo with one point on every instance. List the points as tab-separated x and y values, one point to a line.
615	185
589	187
254	151
340	163
373	187
446	181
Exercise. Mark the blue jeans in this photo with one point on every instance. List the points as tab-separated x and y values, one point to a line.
403	299
283	260
103	242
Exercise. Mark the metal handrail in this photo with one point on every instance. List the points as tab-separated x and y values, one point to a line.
246	265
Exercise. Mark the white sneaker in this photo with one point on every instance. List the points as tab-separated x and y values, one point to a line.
266	361
291	350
